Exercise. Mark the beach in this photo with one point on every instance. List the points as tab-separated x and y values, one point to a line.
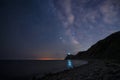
94	70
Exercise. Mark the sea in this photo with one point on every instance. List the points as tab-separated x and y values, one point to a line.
27	69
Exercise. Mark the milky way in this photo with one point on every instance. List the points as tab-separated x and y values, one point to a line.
85	21
33	29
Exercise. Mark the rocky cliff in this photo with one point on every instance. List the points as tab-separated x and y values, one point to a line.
108	48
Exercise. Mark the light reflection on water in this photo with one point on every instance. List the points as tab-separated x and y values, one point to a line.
69	64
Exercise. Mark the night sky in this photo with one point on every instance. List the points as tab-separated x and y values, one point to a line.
45	29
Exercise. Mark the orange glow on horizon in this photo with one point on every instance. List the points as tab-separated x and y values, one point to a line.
50	59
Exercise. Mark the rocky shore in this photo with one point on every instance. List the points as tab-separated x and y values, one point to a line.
94	70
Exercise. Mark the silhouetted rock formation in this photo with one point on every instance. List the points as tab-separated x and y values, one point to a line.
108	48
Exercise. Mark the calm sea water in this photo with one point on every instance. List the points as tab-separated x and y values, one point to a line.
12	69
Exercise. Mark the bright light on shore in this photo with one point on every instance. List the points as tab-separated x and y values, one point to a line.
69	53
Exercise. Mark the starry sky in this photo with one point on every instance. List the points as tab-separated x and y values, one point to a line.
46	29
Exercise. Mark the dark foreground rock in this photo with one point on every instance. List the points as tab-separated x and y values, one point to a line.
95	70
